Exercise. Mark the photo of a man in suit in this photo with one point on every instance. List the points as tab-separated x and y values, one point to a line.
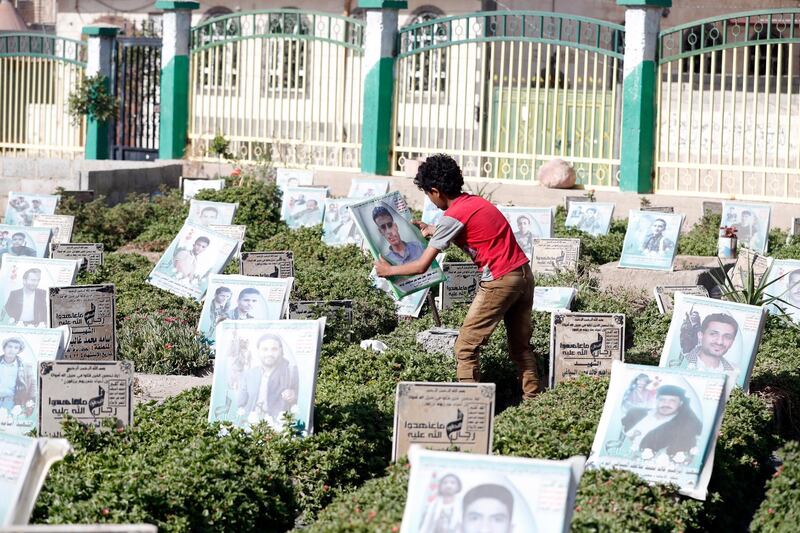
269	389
671	427
28	304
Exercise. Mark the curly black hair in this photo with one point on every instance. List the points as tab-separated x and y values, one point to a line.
440	172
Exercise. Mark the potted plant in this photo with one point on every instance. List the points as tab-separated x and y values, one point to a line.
726	246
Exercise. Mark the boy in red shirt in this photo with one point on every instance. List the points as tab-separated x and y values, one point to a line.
506	288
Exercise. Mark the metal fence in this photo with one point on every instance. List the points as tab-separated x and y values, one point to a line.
37	74
505	92
729	107
284	83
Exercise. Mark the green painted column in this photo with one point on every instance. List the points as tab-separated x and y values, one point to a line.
100	46
173	122
379	58
637	152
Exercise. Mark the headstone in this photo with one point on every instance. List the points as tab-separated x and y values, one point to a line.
89	392
489	493
460	284
551	256
585	344
708	335
267	264
311	309
658	209
441	416
632	434
24	463
795	226
90	255
60	226
665	295
89	311
746	262
712	208
570	199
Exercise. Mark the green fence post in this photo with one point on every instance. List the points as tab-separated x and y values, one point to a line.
379	56
173	123
637	152
98	61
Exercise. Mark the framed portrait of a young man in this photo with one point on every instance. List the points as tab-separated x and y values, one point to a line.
388	234
206	213
784	279
593	218
470	492
751	222
528	224
367	188
265	369
651	240
24	241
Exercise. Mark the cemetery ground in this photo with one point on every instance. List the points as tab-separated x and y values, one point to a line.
175	470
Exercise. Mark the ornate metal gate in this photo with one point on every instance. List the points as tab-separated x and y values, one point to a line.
136	78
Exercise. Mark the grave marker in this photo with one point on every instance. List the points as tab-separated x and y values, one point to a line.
460	285
551	256
665	295
89	311
267	264
585	344
89	255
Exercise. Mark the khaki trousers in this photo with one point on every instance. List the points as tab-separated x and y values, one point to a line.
509	298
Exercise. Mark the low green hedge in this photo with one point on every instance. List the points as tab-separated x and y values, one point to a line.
780	510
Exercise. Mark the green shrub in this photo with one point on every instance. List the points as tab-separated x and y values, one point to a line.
702	238
162	344
171	469
596	250
780	510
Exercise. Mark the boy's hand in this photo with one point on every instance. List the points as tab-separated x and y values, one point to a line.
426	229
382	267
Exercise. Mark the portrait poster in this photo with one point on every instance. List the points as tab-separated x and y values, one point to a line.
22	207
459	492
388	234
339	228
60	226
293	177
89	311
88	391
192	186
23	349
460	284
27	279
784	279
751	222
205	213
665	295
430	213
237	297
661	424
584	344
277	264
593	218
551	256
89	255
194	254
24	241
285	353
651	240
303	206
711	208
443	416
749	262
24	463
529	223
708	335
553	298
367	188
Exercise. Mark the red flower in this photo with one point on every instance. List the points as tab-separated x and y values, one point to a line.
170	319
236	172
105	511
325	488
168	346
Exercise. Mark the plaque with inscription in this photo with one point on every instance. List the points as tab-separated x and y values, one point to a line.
573	199
658	209
441	416
267	264
89	311
795	226
712	208
89	392
60	226
234	231
312	309
746	261
90	255
585	344
551	256
665	295
460	285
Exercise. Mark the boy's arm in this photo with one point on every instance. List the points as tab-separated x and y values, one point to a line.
385	269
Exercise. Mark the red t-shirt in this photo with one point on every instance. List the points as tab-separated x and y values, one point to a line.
480	229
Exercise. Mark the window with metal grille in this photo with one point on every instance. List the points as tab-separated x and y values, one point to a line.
428	72
286	56
220	66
